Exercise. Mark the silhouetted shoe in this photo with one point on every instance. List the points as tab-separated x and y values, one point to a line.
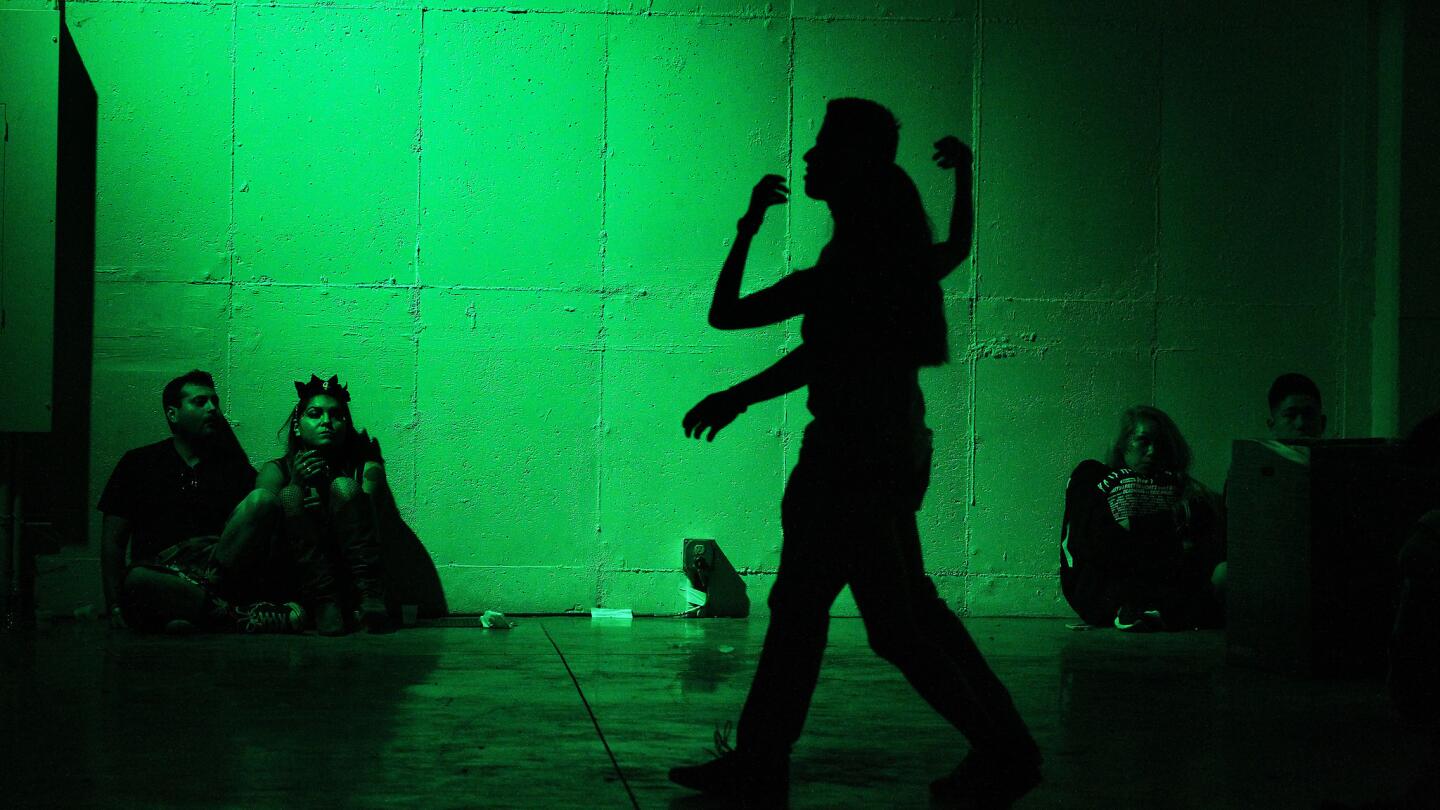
373	615
1134	620
984	783
180	627
329	621
755	781
268	617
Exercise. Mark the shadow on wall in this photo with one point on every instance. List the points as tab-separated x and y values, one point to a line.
57	462
411	578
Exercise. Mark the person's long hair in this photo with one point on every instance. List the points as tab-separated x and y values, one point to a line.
1172	454
891	232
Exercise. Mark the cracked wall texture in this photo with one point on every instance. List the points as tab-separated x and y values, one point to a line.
501	227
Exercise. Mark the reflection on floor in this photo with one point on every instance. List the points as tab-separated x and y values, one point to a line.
461	717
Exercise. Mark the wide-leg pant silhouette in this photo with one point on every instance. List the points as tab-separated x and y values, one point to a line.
843	526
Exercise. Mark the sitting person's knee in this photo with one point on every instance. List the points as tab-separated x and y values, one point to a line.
262	502
292	500
344	490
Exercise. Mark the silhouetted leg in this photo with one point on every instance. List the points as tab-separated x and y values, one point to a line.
245	546
355	531
910	626
152	596
810	577
360	547
305	540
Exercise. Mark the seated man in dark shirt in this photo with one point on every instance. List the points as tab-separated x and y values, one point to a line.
197	531
1141	539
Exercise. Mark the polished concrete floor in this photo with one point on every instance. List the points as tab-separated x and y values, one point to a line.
466	717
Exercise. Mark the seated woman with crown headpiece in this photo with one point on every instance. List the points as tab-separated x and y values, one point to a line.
330	482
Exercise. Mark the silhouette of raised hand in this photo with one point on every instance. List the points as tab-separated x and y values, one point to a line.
771	190
369	447
951	152
712	413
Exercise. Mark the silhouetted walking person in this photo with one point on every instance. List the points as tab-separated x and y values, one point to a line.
872	317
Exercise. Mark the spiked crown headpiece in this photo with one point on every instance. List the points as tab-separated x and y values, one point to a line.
317	386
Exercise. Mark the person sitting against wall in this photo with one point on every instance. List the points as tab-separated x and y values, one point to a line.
1141	540
331	487
1296	410
197	537
1296	413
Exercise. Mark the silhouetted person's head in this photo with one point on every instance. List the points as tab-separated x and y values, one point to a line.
1296	411
857	140
880	222
1149	442
192	408
320	419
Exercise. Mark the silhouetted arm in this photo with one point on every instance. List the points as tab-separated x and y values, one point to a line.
714	412
771	305
787	374
950	153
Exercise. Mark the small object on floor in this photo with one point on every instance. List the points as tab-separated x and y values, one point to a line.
268	617
372	615
329	621
1078	626
1134	620
495	620
984	783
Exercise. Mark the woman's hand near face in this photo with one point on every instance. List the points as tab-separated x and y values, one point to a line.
771	190
311	468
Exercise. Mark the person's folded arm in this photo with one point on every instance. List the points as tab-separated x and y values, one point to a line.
729	310
774	304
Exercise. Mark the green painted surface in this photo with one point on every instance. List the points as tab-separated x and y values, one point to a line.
29	92
326	129
502	229
164	123
511	176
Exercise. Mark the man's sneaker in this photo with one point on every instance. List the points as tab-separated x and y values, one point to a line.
754	781
984	783
373	615
329	621
1133	620
268	617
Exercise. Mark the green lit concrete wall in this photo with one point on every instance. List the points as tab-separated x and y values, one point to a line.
502	229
